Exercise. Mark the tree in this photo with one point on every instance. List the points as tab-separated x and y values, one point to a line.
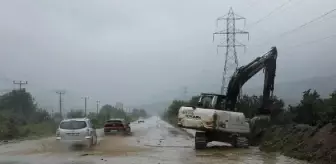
19	114
194	100
250	105
108	111
19	105
40	115
142	113
135	112
171	113
75	113
92	115
310	110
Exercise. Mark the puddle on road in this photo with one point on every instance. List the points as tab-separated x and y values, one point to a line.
109	146
115	146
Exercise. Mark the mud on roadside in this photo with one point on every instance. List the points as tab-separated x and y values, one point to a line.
302	142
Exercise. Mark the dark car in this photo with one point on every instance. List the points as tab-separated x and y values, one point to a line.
117	125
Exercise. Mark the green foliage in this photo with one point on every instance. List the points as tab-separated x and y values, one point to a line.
45	128
170	114
107	112
194	100
20	116
139	113
314	110
249	104
75	114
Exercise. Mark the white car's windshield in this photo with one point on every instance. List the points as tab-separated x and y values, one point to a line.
73	125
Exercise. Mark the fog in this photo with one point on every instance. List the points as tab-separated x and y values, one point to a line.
139	52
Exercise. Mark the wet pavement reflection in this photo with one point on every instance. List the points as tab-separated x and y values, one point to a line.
152	142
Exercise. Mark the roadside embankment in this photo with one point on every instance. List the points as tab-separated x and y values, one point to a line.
299	141
13	133
302	142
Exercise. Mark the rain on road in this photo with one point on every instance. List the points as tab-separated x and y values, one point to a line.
152	142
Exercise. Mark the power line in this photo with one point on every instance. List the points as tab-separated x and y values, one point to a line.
313	41
251	5
307	23
301	26
269	14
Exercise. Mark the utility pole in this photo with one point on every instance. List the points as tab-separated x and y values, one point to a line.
231	59
20	83
185	91
60	101
85	104
97	106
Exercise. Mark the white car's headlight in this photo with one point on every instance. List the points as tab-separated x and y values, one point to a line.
58	133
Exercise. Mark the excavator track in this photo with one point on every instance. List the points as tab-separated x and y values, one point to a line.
200	140
240	142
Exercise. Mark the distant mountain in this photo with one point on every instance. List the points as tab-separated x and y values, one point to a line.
156	108
290	92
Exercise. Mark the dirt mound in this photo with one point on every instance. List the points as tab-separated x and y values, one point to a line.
302	142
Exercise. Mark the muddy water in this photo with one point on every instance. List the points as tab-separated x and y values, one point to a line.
152	142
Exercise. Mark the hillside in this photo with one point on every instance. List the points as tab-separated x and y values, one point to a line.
156	108
290	92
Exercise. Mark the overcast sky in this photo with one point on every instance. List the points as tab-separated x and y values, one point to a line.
133	51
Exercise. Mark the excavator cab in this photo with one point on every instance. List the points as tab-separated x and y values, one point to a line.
212	101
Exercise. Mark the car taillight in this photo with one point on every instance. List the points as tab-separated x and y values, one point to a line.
88	132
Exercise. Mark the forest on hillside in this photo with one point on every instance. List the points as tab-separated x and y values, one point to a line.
311	110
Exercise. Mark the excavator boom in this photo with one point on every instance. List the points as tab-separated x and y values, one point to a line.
244	73
213	117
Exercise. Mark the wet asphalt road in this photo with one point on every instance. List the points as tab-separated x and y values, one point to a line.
152	142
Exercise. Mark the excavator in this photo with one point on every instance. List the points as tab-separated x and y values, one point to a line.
215	117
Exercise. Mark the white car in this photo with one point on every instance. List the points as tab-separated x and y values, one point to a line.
77	131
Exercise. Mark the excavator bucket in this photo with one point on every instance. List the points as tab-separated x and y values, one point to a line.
258	125
260	119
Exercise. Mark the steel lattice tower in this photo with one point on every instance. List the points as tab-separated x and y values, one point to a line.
229	34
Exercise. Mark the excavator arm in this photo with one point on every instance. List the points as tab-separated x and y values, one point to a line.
244	73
